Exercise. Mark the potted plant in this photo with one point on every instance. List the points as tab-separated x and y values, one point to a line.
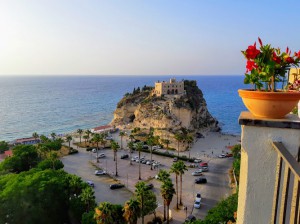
266	67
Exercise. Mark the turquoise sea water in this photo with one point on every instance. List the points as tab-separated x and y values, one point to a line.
61	104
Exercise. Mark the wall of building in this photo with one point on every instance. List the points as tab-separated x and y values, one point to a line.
258	170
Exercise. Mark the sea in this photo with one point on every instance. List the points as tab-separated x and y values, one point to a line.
63	104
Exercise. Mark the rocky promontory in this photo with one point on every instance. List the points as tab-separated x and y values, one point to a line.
167	114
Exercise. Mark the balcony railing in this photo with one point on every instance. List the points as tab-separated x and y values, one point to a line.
287	187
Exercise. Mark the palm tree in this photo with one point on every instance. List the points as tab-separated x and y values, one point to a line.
150	142
114	147
130	145
102	140
167	191
80	131
163	176
96	139
181	168
131	137
53	135
122	134
167	142
104	213
179	138
132	211
35	136
69	139
85	137
139	147
141	191
88	197
88	133
189	139
175	169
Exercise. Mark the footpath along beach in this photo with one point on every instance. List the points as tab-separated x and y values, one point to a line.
207	149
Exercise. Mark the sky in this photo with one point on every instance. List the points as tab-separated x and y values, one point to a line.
140	37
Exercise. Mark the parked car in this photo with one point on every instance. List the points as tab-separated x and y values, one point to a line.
203	164
145	146
197	160
149	186
101	155
222	155
100	172
204	168
149	162
229	155
197	204
90	183
190	218
193	165
109	138
197	172
198	196
155	147
116	186
124	156
201	180
94	150
175	159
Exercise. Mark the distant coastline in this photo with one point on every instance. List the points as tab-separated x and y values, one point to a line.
63	104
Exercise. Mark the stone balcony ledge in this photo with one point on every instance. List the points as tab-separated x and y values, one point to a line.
291	121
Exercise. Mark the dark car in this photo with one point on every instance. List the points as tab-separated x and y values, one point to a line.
124	156
149	186
116	186
190	218
201	180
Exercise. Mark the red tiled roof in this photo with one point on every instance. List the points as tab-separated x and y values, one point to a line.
102	127
8	153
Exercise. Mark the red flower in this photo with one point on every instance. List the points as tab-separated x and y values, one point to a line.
276	58
297	54
250	65
290	60
252	52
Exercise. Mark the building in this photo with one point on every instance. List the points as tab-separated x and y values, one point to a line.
103	129
27	141
169	88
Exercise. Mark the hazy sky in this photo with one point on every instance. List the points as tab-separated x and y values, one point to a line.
139	37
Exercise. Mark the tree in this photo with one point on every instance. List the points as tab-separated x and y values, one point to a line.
88	197
179	138
181	168
96	139
35	136
69	139
80	131
85	137
146	198
132	211
44	139
88	133
130	145
176	170
150	142
167	191
114	147
88	218
103	213
24	158
139	147
53	135
163	176
189	139
166	141
131	137
122	134
3	146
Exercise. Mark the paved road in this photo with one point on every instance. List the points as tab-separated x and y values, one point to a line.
79	164
217	186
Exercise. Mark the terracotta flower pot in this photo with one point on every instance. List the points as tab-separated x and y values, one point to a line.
272	105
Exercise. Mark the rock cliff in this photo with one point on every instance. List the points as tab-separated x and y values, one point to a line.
167	114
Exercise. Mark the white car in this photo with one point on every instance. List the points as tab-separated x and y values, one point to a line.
197	203
90	183
197	160
197	172
222	155
94	150
198	197
101	155
100	172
